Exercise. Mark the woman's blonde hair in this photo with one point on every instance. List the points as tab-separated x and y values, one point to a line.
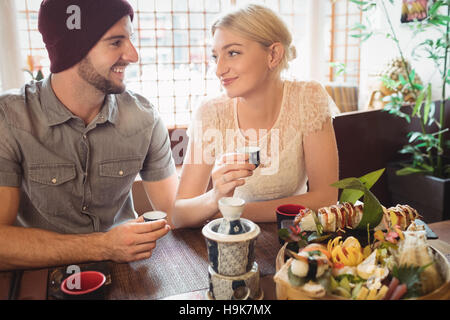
260	24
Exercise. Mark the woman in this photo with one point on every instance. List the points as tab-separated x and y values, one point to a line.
290	121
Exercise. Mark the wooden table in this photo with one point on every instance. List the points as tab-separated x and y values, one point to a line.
179	265
178	268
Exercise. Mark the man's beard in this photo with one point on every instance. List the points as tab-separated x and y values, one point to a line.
88	73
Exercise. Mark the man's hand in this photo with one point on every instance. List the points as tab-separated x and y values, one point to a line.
134	240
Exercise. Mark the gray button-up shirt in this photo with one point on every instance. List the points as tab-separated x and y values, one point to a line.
76	178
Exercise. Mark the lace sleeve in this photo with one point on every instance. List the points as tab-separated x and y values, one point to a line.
316	107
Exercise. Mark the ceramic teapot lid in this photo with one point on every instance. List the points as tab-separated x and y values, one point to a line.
210	231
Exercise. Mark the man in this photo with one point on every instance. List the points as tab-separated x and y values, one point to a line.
72	145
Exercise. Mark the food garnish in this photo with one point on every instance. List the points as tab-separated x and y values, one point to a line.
391	264
410	277
390	268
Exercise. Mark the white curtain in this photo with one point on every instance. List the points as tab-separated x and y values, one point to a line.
316	50
11	61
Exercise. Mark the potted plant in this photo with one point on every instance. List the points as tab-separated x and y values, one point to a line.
34	68
423	181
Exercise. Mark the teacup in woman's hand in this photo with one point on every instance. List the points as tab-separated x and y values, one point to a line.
229	172
253	154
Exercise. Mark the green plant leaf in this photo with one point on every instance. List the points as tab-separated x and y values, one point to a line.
413	136
39	75
409	170
402	80
339	67
412	75
29	72
389	83
434	8
407	149
440	132
358	26
421	145
447	169
348	183
426	167
360	3
417	86
426	108
362	36
443	18
418	105
431	113
368	180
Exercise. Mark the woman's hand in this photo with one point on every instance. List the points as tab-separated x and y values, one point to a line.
229	173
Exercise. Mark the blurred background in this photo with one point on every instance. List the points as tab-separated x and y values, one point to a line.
172	37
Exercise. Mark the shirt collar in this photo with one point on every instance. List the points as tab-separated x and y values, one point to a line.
57	113
109	109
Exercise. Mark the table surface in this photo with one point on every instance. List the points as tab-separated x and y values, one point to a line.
179	264
178	268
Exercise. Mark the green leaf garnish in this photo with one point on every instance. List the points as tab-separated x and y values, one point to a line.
373	211
410	275
351	195
315	238
284	234
319	226
314	253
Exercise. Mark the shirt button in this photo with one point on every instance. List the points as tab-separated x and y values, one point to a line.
120	173
54	181
84	136
84	208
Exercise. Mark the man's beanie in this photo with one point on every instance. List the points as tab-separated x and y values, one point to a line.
71	28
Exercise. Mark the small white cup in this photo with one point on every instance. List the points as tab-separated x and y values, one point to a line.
231	207
154	216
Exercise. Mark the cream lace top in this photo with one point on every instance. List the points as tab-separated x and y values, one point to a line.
304	109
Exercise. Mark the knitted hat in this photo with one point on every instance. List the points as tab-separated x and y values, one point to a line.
71	28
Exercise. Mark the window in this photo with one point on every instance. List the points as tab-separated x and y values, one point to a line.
172	36
30	39
342	15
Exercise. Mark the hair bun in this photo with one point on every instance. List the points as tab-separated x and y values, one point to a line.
292	53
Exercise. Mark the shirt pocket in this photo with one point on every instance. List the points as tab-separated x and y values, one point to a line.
120	168
51	186
116	178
